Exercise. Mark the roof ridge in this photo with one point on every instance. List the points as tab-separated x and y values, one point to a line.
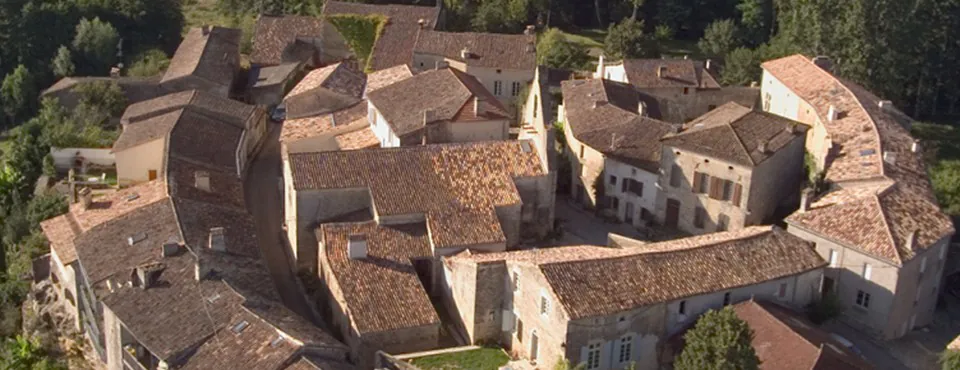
873	122
740	141
773	317
886	223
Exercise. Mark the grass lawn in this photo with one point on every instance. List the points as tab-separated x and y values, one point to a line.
679	48
476	359
941	142
592	39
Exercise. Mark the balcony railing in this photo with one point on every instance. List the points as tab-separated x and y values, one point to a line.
130	361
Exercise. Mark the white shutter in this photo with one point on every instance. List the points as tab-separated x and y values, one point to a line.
508	321
583	356
606	355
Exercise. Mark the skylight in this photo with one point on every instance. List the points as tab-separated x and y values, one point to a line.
866	152
136	238
239	327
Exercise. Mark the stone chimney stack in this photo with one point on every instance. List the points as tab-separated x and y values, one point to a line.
832	114
86	197
806	198
147	275
202	180
641	108
912	240
915	147
762	147
662	71
205	29
707	65
357	247
476	106
422	22
170	248
217	240
465	53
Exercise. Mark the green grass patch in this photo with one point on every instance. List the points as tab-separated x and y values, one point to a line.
476	359
360	32
591	38
197	13
679	48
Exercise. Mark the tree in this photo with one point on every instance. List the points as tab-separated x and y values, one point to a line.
18	93
626	40
22	353
719	341
99	100
149	63
950	359
719	38
96	44
554	50
741	68
63	63
564	364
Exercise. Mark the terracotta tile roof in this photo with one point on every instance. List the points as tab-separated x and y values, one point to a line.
203	140
540	256
225	189
736	133
256	347
785	340
448	93
465	227
313	126
395	45
382	291
360	139
147	130
274	34
862	135
605	286
227	110
326	90
387	77
643	73
603	115
211	53
489	50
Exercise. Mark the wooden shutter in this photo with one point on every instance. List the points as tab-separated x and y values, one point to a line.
696	181
716	187
737	190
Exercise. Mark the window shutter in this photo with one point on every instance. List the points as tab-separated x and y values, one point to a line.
737	190
715	186
696	182
624	185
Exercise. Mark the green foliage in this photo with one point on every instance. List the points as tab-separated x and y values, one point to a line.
63	63
719	341
662	33
84	128
555	51
360	32
950	359
720	38
481	358
149	63
741	68
101	98
17	93
22	353
560	134
824	309
564	364
599	186
756	19
96	45
941	149
626	40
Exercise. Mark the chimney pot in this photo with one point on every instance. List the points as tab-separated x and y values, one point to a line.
86	197
201	269
217	240
202	180
357	247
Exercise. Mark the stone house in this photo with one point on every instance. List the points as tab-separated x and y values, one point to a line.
609	142
540	112
395	44
877	222
503	63
208	59
325	90
448	106
729	169
148	125
610	307
269	84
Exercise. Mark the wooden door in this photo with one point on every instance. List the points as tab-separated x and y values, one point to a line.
152	174
673	213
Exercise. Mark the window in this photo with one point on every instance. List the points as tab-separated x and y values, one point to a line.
626	345
782	293
624	184
515	89
536	105
544	305
581	151
867	271
683	308
833	258
722	221
726	299
699	214
727	190
615	203
613	180
519	330
675	176
631	186
737	191
497	88
516	281
863	299
700	182
593	356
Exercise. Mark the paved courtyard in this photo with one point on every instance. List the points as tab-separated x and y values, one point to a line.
584	227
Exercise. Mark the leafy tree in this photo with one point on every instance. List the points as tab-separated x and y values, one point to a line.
663	33
755	17
950	359
945	176
100	100
564	364
719	38
149	63
719	341
741	68
11	183
554	50
22	353
18	92
96	44
626	40
63	63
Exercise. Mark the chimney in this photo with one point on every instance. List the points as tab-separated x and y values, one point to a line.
114	72
885	105
823	62
601	68
530	30
599	103
707	65
86	197
422	22
915	147
465	53
170	248
762	147
440	64
428	116
202	180
147	275
806	198
661	71
613	141
476	106
201	268
890	157
831	114
357	247
74	197
217	239
641	108
912	240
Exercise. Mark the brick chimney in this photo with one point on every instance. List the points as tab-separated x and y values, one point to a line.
202	180
357	246
217	240
86	197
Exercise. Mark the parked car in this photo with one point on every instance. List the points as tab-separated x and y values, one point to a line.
278	113
846	343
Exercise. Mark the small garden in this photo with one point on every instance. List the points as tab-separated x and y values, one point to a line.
474	359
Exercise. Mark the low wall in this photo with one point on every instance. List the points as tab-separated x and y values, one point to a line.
66	158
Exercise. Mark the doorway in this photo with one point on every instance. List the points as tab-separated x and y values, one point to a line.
628	215
827	286
534	346
673	213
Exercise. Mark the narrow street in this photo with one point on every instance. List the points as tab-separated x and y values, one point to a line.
265	204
